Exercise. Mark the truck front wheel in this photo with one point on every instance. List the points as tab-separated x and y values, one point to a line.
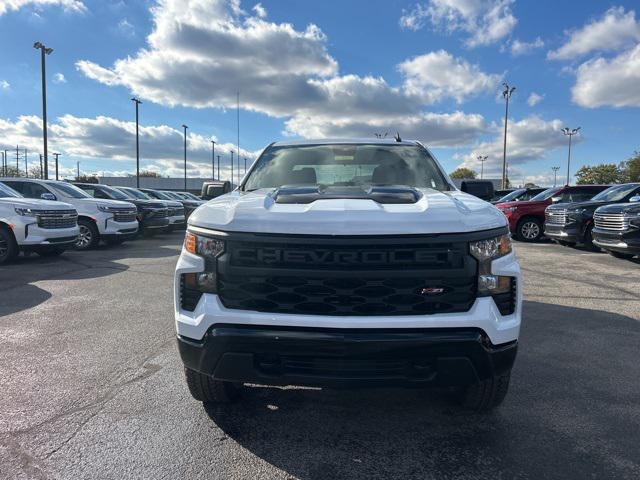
485	395
8	246
207	389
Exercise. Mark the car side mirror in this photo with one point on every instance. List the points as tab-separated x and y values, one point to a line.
635	198
556	199
48	196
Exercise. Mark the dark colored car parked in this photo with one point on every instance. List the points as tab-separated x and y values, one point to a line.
152	214
617	228
177	210
526	218
188	204
572	223
520	195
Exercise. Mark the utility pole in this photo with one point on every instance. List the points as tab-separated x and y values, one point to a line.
41	170
219	168
245	165
555	174
231	168
238	132
185	156
482	159
2	153
44	51
570	132
26	166
56	155
506	93
17	161
78	170
137	102
213	161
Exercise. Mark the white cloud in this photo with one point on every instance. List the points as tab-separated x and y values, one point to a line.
4	85
261	12
126	28
59	78
485	21
521	48
68	5
528	140
615	30
609	82
534	99
437	75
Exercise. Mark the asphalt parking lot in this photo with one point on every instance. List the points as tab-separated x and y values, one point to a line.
92	387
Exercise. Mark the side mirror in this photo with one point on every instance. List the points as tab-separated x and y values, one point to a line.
478	188
556	199
635	198
48	196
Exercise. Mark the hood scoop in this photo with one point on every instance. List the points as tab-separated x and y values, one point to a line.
381	194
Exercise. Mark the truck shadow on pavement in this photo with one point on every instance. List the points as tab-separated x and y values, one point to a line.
571	413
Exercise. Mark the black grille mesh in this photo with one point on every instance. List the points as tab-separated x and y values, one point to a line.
506	302
189	297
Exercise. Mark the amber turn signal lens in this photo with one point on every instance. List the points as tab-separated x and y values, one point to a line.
190	242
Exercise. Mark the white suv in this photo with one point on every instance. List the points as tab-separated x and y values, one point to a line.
348	263
112	221
41	226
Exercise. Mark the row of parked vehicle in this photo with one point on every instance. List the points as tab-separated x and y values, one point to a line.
595	216
48	217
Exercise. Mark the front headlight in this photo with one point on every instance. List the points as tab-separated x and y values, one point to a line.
25	212
104	208
210	249
485	251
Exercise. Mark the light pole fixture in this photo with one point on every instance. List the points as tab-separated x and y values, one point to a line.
185	156
44	51
213	162
137	102
555	174
482	159
56	155
506	93
570	132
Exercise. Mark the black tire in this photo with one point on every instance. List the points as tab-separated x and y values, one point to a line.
485	395
529	229
624	256
207	389
588	240
8	246
89	236
51	252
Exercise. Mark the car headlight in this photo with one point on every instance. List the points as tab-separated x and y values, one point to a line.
210	249
25	212
485	251
104	208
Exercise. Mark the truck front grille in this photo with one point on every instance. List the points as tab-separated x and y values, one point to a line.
124	215
329	276
53	219
611	221
556	217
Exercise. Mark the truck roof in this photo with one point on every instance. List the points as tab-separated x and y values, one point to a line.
355	141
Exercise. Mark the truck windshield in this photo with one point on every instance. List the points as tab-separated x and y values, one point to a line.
133	193
68	190
346	165
8	192
616	193
113	193
548	193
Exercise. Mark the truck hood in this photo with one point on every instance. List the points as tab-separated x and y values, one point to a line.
434	212
633	207
523	203
573	205
37	204
101	201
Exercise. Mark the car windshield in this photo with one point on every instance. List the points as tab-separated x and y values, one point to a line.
189	196
160	195
172	195
133	193
548	193
68	190
8	192
512	196
114	193
346	165
615	193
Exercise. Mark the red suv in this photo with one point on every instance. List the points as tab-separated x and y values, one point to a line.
526	218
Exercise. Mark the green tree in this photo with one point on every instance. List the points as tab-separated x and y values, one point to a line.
87	179
463	172
600	174
631	167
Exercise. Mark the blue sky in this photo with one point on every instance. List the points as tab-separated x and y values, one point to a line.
431	70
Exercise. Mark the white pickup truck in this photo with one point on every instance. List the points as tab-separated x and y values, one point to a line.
112	221
45	227
347	263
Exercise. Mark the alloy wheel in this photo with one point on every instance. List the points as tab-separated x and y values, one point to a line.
84	238
530	230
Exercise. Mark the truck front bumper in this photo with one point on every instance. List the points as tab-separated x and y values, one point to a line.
627	241
347	358
566	233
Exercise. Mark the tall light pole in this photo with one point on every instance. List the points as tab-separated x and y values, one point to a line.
3	166
219	168
185	156
245	165
78	170
137	102
231	168
482	159
44	51
56	155
555	174
506	93
570	132
213	162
